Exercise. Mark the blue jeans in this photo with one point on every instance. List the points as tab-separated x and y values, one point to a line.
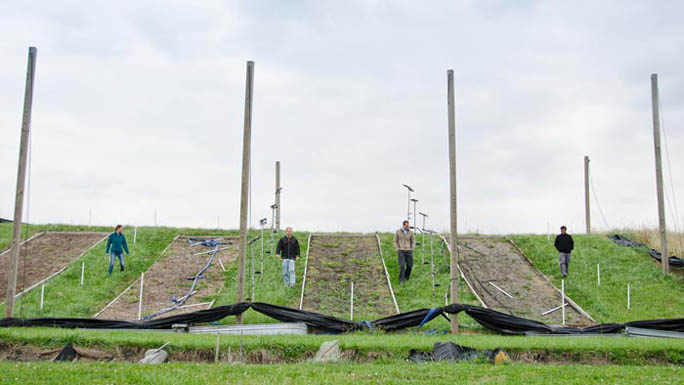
111	261
564	261
289	272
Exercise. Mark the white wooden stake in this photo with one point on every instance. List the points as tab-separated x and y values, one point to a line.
221	263
628	299
352	301
218	340
42	296
563	299
82	272
135	234
598	273
140	300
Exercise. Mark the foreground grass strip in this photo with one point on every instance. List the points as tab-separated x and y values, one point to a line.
620	350
653	295
404	373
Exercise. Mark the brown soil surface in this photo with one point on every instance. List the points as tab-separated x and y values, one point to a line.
46	254
168	277
334	262
484	260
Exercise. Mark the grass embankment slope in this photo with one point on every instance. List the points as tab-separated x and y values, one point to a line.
653	295
65	297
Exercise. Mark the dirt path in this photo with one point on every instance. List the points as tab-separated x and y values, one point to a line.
487	261
334	262
46	254
168	277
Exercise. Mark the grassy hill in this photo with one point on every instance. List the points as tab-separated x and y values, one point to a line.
653	295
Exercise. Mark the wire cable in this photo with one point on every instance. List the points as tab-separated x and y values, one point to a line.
593	190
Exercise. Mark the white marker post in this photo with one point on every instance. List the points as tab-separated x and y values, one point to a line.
563	299
140	300
352	301
42	296
598	273
218	341
82	272
628	298
135	234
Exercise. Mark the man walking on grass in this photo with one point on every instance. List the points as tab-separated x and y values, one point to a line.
403	243
564	244
288	250
116	244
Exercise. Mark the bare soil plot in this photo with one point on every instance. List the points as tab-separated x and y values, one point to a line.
47	254
171	276
334	261
489	262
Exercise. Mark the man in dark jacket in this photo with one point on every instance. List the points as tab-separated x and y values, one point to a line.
564	244
288	250
116	245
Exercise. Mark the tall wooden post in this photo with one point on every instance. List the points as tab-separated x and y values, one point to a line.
659	173
244	191
21	182
453	279
277	196
587	213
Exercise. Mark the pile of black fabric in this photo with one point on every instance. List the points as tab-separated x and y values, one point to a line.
655	254
449	351
491	319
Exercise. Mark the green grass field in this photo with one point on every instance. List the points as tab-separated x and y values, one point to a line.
653	295
393	373
618	360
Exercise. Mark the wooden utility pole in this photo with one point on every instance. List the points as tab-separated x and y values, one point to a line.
21	182
587	213
453	277
277	196
244	191
659	173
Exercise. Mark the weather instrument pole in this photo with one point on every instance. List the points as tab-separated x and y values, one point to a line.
21	182
415	216
453	279
408	211
422	241
262	223
659	173
244	190
273	230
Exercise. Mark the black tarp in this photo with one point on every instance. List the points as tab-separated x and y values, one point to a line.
449	351
491	319
655	254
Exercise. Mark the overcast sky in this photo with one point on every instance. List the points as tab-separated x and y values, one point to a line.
138	107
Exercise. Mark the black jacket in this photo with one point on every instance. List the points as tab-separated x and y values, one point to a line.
564	243
288	248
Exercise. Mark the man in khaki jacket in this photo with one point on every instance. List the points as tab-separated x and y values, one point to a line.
403	243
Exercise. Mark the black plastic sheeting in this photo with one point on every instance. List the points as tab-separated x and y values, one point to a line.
491	319
655	254
449	351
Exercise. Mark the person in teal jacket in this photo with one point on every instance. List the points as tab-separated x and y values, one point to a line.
116	245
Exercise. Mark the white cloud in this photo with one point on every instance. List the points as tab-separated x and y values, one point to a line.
139	107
